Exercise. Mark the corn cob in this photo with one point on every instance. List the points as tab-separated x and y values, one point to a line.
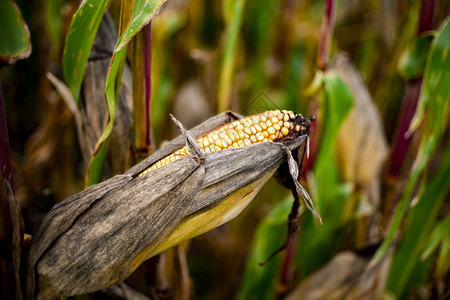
270	126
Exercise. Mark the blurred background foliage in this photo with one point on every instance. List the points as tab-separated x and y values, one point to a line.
383	196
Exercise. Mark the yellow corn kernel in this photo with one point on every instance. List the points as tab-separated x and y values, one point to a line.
230	134
259	136
205	142
224	143
227	139
265	127
271	130
218	142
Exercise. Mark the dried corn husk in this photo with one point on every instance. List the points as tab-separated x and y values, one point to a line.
362	146
99	236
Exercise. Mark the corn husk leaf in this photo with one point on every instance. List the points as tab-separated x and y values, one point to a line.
99	236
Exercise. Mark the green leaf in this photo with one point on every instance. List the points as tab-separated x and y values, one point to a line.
422	217
149	9
338	103
435	91
439	233
79	40
141	18
259	282
434	100
440	236
443	262
318	243
14	35
95	168
412	62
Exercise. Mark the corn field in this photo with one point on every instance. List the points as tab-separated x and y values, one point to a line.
130	169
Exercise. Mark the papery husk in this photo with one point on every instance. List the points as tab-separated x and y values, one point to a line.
93	108
99	236
349	276
362	146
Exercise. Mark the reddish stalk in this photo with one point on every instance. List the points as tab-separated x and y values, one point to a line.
6	224
5	157
322	63
287	270
426	16
326	34
402	141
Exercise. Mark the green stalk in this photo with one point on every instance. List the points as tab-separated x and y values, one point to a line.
229	56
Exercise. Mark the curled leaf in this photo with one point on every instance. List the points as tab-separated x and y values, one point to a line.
293	170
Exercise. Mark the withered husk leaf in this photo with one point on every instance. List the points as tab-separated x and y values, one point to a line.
99	236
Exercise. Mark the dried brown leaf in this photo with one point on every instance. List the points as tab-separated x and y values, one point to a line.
362	146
